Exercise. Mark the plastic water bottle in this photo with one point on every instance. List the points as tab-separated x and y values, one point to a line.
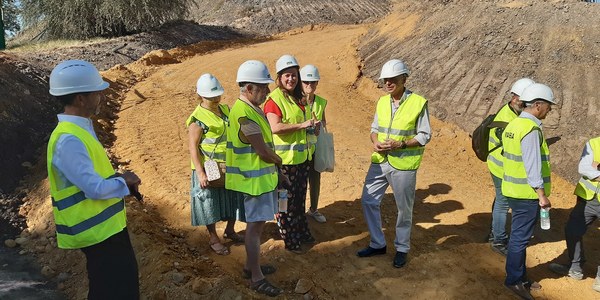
283	200
545	218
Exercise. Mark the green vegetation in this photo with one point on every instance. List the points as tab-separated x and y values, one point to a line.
76	19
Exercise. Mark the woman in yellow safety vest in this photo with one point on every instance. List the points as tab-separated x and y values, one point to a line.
210	201
289	122
309	75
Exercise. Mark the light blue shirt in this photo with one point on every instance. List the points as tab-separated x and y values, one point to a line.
532	154
423	128
585	163
74	166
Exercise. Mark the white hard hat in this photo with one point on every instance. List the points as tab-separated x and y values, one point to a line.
75	76
519	86
253	71
284	62
538	91
208	86
393	68
309	73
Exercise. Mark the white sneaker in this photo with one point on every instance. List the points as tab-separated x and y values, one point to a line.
317	215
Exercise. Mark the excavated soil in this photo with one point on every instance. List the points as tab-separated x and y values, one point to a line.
457	64
274	16
448	259
466	54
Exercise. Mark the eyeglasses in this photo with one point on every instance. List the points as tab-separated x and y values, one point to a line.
309	82
393	79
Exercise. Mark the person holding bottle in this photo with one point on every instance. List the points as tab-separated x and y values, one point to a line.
585	212
289	121
309	76
526	181
208	140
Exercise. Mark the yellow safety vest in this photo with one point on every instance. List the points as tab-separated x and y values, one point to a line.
403	126
586	188
215	140
291	147
494	159
318	107
514	180
80	221
246	171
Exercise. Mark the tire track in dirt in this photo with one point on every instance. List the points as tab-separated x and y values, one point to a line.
271	16
466	55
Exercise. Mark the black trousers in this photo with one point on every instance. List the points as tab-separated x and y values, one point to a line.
583	215
112	269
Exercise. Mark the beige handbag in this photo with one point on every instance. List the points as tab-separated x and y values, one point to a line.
215	171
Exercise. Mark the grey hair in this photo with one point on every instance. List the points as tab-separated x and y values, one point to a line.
243	86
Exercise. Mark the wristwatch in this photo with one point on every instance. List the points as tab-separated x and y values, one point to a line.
403	145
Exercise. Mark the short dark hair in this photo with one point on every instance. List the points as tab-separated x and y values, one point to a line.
69	98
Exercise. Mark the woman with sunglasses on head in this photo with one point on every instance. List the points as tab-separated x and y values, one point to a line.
289	121
309	75
207	141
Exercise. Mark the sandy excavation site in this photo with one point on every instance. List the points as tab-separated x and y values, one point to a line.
463	57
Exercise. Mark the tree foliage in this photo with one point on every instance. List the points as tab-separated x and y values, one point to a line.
10	13
89	18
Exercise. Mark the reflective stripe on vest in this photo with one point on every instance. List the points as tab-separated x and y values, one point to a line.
586	188
318	108
401	127
514	179
291	114
494	159
246	171
80	221
216	133
245	149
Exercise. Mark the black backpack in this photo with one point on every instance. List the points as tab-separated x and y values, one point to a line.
481	135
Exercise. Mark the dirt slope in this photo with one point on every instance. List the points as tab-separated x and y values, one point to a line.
448	260
26	118
275	16
465	55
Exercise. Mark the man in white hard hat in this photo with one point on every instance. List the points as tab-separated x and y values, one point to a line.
87	194
526	181
252	166
399	132
507	113
585	212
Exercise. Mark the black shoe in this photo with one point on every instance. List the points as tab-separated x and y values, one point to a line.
370	252
500	248
520	290
400	259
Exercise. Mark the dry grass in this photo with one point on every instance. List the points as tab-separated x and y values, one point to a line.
49	45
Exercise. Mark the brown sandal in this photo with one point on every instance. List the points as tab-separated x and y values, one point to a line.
220	251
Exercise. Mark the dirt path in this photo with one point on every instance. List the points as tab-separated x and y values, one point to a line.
448	259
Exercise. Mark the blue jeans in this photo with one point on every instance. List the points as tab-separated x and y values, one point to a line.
524	217
499	213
